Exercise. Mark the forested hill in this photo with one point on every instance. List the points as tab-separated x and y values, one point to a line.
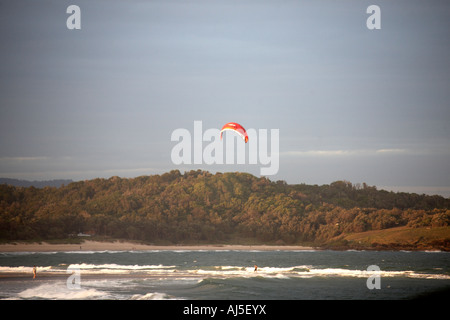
204	207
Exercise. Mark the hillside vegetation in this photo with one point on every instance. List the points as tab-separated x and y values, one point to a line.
200	207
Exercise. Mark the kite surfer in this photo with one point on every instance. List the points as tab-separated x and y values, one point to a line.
236	127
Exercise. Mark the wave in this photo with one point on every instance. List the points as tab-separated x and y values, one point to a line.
85	266
59	291
172	271
23	253
121	269
23	269
153	296
304	271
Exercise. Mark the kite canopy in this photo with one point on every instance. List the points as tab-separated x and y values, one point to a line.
236	127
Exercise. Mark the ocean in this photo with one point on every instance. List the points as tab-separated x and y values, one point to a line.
223	275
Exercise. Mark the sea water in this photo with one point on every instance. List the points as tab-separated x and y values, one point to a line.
221	274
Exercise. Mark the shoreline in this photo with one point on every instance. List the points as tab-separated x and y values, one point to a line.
89	245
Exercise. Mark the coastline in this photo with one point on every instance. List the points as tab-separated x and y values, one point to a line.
130	246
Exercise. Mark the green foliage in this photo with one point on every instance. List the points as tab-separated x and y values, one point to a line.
200	206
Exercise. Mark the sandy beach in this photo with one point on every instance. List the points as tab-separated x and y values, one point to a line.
125	246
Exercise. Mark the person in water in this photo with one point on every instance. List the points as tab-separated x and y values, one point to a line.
34	272
256	268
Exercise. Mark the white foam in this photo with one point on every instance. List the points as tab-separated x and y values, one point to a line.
239	271
339	272
26	253
23	269
152	296
59	291
161	271
304	271
116	268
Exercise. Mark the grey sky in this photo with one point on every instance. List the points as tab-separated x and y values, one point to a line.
351	103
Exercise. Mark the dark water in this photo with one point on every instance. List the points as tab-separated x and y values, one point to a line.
224	275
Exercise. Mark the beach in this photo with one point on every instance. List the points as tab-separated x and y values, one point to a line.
130	246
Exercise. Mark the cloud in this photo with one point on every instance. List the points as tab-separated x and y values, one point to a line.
22	159
320	153
32	174
391	151
344	153
67	167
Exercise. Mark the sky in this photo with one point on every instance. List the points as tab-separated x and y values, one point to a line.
350	103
